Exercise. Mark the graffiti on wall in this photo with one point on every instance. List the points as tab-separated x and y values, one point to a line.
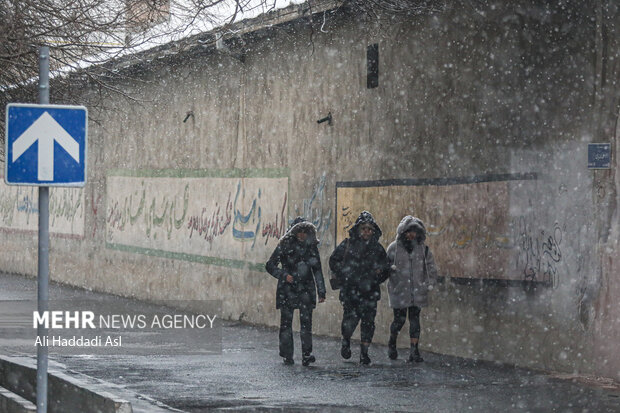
478	227
221	220
539	251
19	210
316	210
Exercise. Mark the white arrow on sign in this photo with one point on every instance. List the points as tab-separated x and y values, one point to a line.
46	130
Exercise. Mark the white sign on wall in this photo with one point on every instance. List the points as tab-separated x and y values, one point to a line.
19	210
229	221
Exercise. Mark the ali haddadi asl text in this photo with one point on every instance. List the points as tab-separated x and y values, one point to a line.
81	341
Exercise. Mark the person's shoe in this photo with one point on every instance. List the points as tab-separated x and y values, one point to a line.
414	355
392	352
364	359
306	360
288	361
345	350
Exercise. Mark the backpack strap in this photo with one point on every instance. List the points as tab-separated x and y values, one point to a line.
424	267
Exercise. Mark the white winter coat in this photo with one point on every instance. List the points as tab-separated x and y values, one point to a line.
409	281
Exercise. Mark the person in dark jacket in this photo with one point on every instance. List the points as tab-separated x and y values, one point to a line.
296	264
413	274
360	264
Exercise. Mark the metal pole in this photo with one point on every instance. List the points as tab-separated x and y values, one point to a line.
44	241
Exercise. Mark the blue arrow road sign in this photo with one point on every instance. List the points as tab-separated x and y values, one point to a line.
46	145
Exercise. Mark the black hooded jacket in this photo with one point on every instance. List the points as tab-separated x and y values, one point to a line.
302	261
360	266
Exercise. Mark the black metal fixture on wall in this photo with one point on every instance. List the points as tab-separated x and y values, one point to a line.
327	119
189	114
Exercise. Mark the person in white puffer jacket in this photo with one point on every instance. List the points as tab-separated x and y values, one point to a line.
413	273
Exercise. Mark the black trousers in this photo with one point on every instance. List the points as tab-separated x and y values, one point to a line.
286	330
364	310
400	316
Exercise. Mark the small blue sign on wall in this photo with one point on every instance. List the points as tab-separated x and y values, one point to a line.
599	155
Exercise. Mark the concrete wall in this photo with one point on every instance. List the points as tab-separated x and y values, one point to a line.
502	90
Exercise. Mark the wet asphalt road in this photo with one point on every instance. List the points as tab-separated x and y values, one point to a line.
248	375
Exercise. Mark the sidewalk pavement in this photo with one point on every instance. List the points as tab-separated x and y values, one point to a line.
248	375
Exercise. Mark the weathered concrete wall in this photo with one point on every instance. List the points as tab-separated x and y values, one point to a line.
509	89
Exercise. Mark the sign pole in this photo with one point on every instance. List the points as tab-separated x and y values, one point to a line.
45	125
43	266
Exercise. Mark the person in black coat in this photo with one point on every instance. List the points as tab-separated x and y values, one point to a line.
360	264
296	264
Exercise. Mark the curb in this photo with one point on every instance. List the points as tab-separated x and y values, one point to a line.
13	403
65	393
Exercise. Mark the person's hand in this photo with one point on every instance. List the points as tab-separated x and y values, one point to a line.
321	299
289	278
393	267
